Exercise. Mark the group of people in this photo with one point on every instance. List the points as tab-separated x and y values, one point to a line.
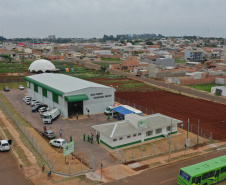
90	138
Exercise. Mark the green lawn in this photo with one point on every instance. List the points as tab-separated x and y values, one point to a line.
104	64
110	59
179	61
204	87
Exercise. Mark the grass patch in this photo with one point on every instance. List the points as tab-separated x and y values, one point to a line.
204	87
1	124
9	136
25	141
9	106
22	156
210	150
12	85
110	59
133	85
155	164
183	156
179	61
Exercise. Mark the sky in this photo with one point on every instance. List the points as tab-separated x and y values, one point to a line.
94	18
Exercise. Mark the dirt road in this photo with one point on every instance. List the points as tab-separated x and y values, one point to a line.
9	171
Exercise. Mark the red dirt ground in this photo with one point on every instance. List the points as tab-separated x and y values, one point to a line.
212	115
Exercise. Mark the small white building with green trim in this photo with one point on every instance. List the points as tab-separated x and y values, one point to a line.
136	129
71	95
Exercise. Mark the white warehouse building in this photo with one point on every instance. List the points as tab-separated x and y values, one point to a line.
71	95
136	129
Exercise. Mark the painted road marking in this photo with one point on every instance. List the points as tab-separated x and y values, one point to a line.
167	180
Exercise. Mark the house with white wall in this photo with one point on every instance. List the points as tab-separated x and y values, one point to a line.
136	129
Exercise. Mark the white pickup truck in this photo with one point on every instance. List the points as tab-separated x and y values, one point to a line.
5	145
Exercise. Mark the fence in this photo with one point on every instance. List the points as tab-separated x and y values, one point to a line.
145	110
196	134
57	164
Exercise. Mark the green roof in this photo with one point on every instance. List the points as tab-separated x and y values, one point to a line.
75	98
205	166
60	93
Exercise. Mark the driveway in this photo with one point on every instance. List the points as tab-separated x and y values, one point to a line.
71	127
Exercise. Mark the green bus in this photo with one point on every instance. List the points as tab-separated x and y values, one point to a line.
204	173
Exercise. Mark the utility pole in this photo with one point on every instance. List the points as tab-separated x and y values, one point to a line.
198	134
170	139
188	128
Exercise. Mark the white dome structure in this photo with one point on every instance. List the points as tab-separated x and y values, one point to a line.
41	65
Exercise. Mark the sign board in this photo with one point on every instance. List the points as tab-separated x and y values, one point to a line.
142	124
69	148
188	142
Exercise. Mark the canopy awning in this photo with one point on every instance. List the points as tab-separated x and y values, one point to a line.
75	98
122	110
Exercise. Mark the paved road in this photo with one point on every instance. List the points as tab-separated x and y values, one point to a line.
166	175
10	174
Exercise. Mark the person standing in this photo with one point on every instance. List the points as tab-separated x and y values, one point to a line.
84	136
77	116
91	139
60	132
45	128
43	168
88	139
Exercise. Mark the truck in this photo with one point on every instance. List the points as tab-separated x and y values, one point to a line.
48	117
5	145
110	108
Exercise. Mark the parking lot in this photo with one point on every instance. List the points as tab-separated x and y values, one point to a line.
70	127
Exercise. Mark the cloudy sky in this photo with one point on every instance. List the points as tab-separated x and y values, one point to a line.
94	18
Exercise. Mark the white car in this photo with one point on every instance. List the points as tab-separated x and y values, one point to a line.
43	109
21	87
26	98
4	145
58	142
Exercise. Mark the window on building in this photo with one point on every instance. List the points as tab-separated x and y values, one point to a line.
168	128
44	92
128	136
121	138
35	88
114	140
134	135
158	131
139	134
149	133
55	98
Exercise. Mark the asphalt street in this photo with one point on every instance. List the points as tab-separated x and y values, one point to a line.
166	175
10	174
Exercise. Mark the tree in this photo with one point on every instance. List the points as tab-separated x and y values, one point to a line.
149	43
7	57
103	68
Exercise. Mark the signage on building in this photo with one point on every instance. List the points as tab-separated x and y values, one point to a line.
69	148
142	124
99	95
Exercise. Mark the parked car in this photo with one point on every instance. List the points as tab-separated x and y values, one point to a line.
6	89
49	134
21	87
27	98
58	142
139	75
37	106
28	102
5	145
33	103
43	109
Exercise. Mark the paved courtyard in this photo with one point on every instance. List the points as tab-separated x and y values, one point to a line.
71	127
